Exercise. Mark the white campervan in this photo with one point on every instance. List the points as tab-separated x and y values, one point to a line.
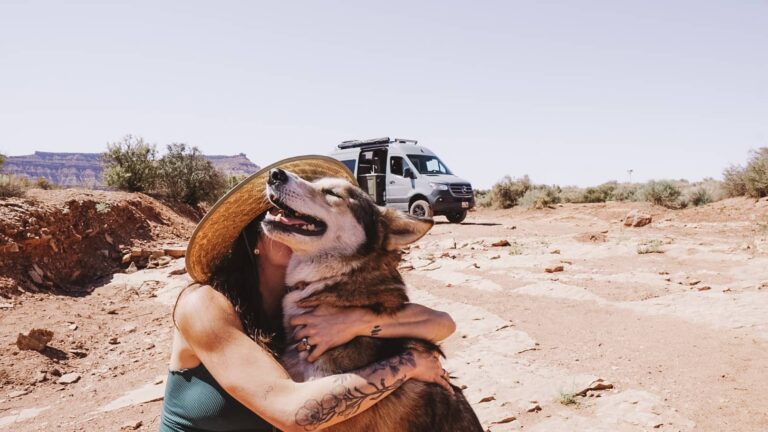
402	174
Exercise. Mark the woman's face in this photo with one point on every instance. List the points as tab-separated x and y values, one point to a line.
273	251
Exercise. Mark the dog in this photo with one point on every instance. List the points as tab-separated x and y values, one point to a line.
346	251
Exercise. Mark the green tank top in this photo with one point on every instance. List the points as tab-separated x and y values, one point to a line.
195	402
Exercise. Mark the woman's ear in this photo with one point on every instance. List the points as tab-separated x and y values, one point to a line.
402	229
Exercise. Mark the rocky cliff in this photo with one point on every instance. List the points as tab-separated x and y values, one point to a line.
84	169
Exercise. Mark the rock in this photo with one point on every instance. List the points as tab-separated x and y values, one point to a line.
11	247
509	419
18	393
554	269
164	261
131	268
113	340
704	288
594	237
495	257
487	399
692	282
636	219
108	238
127	258
73	327
55	372
130	328
598	384
175	252
36	277
177	272
40	377
555	252
534	407
69	378
501	243
36	339
136	252
132	425
6	305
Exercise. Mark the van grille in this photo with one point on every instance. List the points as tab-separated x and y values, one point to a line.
461	190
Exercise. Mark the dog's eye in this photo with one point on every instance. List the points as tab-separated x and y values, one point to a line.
331	193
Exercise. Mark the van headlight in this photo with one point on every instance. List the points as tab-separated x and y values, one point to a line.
439	186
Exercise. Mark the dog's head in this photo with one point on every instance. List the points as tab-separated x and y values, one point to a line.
330	215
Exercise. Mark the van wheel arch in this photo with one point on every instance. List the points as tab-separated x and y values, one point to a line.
419	204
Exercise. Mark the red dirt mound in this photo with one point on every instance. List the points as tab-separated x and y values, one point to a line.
53	240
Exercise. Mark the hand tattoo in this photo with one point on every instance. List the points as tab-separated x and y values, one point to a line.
346	402
375	330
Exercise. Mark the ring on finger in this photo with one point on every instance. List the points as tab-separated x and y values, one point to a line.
304	345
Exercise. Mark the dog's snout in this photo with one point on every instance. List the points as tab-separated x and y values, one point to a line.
276	175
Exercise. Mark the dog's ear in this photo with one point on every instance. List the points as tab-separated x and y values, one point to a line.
402	229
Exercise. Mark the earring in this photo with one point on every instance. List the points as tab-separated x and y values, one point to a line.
256	251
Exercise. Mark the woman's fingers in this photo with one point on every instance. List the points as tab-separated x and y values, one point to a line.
317	351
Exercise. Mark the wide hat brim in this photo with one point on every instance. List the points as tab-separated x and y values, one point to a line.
215	234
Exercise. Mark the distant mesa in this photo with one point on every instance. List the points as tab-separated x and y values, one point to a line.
84	169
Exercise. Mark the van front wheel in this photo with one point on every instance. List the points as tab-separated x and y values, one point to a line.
421	208
457	216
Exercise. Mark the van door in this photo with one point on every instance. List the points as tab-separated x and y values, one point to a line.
399	187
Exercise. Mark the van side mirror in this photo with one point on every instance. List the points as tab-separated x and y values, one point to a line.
407	173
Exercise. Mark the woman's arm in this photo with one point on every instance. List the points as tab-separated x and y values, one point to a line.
327	327
251	375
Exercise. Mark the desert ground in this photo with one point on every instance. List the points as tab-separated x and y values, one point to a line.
616	340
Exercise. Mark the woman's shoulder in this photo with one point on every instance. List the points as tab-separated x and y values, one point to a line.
203	301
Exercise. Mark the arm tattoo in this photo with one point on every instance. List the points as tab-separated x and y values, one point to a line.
375	330
346	402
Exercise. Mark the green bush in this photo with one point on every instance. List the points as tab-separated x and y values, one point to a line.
483	198
130	165
625	192
663	192
540	197
185	175
507	192
699	196
756	174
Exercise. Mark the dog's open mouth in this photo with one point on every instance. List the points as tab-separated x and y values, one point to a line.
285	218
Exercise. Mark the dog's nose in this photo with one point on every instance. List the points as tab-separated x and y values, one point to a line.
276	175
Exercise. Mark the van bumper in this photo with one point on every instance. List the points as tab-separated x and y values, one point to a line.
443	202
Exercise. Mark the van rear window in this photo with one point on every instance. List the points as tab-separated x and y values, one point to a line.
350	163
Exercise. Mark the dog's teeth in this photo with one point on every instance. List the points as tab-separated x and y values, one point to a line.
311	227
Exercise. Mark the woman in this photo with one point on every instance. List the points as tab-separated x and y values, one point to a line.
223	372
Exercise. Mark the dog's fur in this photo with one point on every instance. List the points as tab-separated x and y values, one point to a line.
349	259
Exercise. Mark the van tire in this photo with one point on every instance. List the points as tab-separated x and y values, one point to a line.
456	216
421	208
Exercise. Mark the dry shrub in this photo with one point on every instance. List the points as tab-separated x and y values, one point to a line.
507	192
12	186
185	175
130	165
751	180
540	197
664	193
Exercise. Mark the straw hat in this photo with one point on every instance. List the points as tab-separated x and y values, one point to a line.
218	230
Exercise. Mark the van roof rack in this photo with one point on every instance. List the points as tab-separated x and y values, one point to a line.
374	142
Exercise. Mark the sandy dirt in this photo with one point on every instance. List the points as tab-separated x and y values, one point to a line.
617	341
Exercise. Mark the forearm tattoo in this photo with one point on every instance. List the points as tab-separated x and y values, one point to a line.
345	402
375	330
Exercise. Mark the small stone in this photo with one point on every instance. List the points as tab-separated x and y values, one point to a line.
55	372
18	393
487	399
133	425
177	272
704	288
501	243
509	419
73	327
40	377
175	252
36	278
636	219
554	269
108	238
129	328
131	268
692	282
149	346
534	407
36	339
127	258
69	378
113	340
555	252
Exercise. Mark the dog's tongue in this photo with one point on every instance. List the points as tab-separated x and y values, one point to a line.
291	221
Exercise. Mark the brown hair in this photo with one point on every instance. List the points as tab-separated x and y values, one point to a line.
236	276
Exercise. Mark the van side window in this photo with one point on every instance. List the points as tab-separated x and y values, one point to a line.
396	165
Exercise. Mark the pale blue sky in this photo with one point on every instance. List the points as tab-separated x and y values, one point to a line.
569	92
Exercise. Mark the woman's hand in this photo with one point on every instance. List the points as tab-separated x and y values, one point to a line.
429	369
326	327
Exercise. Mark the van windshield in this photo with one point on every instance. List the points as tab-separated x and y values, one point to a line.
429	165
